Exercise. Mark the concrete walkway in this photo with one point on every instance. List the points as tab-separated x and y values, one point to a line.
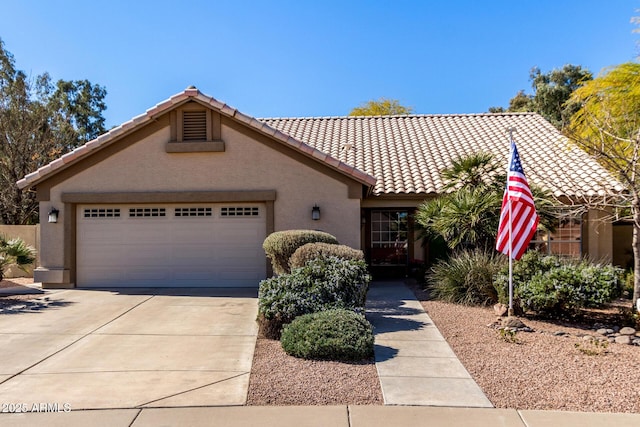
319	416
415	364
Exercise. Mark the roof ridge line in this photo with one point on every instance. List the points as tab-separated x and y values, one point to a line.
514	113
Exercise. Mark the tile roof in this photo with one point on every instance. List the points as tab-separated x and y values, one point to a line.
407	153
186	95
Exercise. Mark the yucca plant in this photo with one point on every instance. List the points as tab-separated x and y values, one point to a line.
15	252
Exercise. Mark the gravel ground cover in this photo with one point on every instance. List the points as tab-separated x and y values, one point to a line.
542	370
280	379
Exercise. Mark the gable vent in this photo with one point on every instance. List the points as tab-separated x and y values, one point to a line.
194	126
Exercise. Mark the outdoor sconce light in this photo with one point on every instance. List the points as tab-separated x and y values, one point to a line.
315	213
53	215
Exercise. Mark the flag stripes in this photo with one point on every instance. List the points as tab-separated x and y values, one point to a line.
518	216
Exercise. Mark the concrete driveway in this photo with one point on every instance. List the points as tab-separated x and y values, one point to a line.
130	348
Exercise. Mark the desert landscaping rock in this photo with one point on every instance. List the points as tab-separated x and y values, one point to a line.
623	339
627	331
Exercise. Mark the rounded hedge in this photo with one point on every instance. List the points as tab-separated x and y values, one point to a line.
280	245
322	284
329	335
309	251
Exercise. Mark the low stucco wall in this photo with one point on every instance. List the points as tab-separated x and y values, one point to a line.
31	236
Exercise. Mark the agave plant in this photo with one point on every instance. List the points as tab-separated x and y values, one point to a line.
15	252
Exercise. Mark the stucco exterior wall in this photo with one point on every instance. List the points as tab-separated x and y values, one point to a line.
245	164
598	242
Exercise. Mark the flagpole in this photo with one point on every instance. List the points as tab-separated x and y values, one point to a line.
510	312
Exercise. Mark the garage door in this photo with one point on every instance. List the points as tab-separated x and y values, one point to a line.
216	245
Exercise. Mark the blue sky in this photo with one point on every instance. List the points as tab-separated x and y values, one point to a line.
301	58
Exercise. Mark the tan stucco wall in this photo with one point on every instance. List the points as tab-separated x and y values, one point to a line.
245	165
598	242
622	245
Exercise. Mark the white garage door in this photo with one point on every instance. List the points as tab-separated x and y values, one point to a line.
170	245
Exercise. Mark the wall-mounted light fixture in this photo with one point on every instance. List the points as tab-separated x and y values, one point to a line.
53	215
315	213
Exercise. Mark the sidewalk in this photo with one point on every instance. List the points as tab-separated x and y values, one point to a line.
320	416
415	364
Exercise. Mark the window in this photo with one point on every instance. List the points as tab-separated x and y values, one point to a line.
565	241
146	212
102	213
389	233
236	211
193	212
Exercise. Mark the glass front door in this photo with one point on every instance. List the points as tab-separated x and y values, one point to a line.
389	238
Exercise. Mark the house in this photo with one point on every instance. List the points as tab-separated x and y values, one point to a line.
184	194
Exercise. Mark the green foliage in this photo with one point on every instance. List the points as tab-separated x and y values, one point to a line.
329	335
466	278
607	126
311	251
381	107
15	252
279	246
551	286
508	335
322	284
531	263
593	347
39	121
551	96
468	217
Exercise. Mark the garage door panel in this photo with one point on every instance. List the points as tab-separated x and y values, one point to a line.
178	249
148	274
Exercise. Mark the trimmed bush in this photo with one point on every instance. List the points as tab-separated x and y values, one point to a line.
531	263
279	246
466	278
553	287
322	284
311	251
329	335
570	287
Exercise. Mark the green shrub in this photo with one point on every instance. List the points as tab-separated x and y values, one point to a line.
466	278
322	284
322	250
551	286
565	289
15	252
531	263
279	246
330	335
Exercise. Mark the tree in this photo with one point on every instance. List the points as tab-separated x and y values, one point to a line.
607	126
468	217
381	107
39	121
551	94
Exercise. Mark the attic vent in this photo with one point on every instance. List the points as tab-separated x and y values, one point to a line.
194	125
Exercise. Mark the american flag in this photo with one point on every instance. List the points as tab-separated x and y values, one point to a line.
522	216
